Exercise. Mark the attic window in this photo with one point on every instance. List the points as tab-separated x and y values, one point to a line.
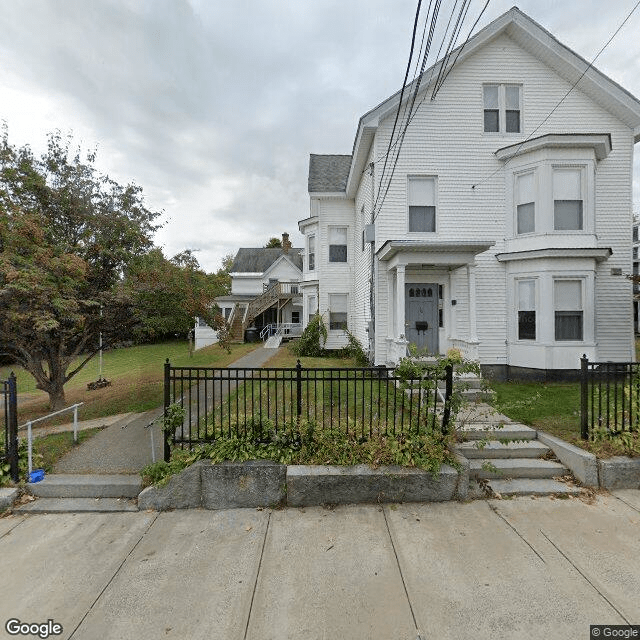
502	108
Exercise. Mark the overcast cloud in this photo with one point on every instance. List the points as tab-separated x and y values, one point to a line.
214	107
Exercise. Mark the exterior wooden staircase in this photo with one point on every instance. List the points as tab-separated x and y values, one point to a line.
278	293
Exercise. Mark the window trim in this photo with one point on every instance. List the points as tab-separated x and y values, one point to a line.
536	192
502	108
555	310
435	205
346	320
536	308
346	245
582	169
310	267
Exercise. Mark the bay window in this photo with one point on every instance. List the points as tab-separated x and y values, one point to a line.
526	309
525	196
568	310
337	311
337	244
567	199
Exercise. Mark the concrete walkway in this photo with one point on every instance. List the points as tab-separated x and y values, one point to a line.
125	445
517	569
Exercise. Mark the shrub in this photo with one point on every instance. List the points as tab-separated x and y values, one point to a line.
311	343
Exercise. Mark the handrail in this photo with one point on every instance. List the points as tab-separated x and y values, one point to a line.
30	423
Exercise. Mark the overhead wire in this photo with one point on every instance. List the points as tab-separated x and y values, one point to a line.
573	86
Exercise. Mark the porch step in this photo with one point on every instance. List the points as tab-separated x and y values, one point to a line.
529	487
497	449
504	468
63	485
78	505
510	431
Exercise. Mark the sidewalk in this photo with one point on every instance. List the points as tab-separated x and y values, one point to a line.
521	569
125	445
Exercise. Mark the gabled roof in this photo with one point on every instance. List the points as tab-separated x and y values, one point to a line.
259	259
533	38
328	173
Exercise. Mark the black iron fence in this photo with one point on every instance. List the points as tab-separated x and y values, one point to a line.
610	396
220	403
9	446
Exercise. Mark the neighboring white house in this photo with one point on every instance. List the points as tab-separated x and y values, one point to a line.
264	290
635	262
505	228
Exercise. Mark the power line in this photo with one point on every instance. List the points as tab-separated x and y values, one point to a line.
406	75
575	84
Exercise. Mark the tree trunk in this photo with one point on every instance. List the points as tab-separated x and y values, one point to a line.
56	397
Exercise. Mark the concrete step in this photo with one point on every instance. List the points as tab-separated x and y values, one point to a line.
529	487
63	485
478	395
515	468
481	430
496	449
77	505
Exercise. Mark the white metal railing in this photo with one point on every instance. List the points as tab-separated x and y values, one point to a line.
30	423
281	329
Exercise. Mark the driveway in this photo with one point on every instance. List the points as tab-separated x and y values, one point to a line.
522	568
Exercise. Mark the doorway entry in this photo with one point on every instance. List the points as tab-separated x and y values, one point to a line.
421	316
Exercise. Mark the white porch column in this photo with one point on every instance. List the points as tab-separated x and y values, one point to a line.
473	326
400	328
391	311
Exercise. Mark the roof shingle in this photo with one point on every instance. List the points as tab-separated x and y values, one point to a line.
258	260
328	173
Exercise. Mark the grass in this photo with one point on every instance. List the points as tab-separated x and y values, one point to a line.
136	375
287	359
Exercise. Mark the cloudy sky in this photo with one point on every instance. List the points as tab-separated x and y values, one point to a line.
213	107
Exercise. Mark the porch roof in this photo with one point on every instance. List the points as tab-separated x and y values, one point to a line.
447	254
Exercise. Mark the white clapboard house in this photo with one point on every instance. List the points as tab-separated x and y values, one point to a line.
505	229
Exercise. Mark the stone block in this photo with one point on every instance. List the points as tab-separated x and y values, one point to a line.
316	485
582	464
183	491
231	485
619	472
7	496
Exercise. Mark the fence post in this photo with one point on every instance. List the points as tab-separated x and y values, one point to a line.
13	427
298	391
584	397
446	416
167	402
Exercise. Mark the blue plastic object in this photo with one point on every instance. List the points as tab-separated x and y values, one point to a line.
36	475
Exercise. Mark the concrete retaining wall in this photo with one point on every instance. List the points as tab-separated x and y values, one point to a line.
583	464
619	472
262	483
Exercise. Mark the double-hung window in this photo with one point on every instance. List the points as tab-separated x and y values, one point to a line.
313	308
338	311
311	253
525	195
567	199
421	198
526	309
337	244
568	309
502	108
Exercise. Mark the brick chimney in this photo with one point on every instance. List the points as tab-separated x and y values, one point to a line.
286	245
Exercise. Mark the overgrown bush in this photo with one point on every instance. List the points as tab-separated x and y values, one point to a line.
310	444
355	350
311	343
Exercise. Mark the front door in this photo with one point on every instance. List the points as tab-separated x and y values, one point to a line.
421	316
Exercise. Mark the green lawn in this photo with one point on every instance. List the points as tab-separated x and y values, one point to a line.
136	374
553	407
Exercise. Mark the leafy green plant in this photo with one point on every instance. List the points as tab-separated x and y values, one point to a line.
311	342
309	444
23	463
355	350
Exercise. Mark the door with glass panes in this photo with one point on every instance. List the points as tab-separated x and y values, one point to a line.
421	316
